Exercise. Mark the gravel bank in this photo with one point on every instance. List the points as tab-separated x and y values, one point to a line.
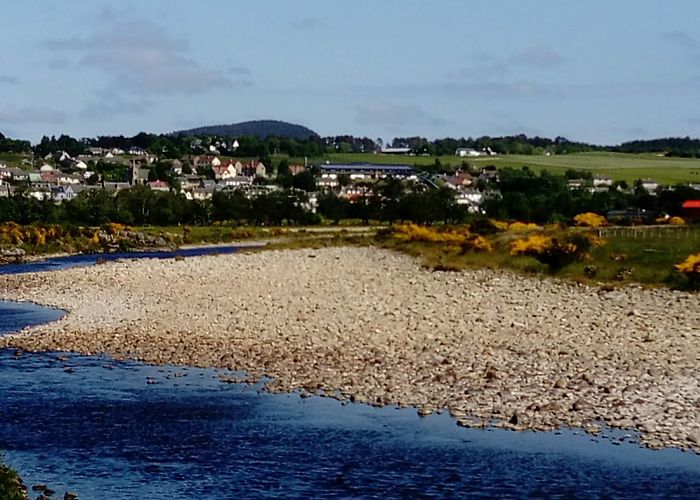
369	325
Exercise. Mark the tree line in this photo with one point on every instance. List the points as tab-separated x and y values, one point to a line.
140	206
8	145
520	195
527	196
177	146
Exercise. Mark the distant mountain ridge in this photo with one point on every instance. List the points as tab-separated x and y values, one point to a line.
259	128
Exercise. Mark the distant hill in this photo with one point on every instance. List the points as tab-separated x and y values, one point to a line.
259	128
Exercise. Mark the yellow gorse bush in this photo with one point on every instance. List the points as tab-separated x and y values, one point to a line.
12	233
457	237
676	221
95	239
532	245
414	232
556	250
517	227
690	267
590	219
499	224
478	244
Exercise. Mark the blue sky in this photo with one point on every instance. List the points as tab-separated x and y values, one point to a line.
594	70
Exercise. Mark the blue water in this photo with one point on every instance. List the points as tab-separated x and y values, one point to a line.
125	430
56	263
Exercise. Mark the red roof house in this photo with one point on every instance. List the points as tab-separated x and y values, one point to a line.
692	209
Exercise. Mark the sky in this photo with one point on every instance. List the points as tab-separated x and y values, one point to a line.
598	71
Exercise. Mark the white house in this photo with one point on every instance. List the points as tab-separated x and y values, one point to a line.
602	181
62	193
470	197
41	193
462	152
200	194
237	181
254	169
649	185
225	170
206	161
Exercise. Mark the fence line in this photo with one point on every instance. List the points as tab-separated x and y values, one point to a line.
650	232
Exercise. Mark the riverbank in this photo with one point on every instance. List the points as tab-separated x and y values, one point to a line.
370	325
11	485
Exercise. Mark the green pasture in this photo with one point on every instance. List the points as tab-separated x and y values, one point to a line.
618	166
12	159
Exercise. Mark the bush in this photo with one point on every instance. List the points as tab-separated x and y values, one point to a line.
11	486
590	219
477	243
414	232
690	268
114	228
518	227
555	251
484	227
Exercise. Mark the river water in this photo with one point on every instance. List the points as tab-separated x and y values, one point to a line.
126	430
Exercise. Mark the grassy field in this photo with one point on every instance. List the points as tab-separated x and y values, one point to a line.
619	166
12	159
645	256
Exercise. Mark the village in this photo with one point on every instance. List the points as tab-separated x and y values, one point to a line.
60	177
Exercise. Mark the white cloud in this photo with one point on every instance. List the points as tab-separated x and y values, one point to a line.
239	70
8	80
537	57
680	39
30	114
141	58
307	24
390	113
111	104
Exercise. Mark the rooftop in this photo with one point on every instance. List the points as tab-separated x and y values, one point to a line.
367	167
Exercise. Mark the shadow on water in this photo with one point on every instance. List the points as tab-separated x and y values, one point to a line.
126	430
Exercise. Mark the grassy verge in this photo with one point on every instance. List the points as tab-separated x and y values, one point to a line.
38	240
229	234
203	234
646	256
